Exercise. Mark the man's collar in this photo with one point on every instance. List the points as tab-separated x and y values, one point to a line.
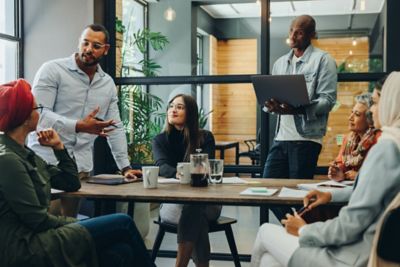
304	58
73	66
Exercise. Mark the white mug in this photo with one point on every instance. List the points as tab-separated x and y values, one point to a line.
183	172
150	176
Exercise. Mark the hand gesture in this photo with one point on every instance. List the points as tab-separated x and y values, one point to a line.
335	173
275	106
49	137
293	223
133	174
315	198
91	124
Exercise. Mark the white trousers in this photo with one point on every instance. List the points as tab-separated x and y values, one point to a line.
273	246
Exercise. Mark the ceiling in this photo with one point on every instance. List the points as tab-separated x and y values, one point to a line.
295	8
332	17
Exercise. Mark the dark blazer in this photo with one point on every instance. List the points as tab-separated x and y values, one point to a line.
168	150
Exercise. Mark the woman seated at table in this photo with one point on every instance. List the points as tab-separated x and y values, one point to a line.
29	235
181	138
345	240
357	143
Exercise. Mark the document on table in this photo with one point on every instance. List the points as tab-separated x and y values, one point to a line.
163	180
233	180
259	191
324	186
292	193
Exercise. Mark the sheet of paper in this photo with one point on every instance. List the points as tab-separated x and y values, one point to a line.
259	191
163	180
292	193
233	180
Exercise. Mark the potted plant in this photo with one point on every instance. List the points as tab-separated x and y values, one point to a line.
138	108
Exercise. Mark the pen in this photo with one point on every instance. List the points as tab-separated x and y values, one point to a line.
330	185
99	119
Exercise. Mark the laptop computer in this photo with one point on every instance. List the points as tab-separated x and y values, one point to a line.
290	89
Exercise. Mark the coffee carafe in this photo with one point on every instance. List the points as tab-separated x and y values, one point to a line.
199	169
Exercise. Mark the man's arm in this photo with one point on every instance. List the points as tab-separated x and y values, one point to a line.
44	88
117	138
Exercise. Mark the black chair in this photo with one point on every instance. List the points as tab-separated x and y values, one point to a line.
222	224
253	151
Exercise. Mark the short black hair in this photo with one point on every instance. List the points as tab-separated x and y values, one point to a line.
99	28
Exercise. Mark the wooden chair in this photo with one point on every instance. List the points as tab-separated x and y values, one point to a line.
222	224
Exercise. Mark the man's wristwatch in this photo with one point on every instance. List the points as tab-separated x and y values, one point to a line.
125	169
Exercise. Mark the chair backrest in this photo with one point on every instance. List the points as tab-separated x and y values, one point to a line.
389	238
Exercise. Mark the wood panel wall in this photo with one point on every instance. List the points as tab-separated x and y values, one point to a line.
234	105
355	61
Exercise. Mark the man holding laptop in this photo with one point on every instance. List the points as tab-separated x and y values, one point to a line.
298	140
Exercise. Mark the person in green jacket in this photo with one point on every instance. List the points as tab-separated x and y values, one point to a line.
29	235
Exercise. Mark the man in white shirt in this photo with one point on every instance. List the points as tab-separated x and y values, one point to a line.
80	102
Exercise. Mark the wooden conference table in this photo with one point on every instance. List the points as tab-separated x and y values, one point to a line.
221	194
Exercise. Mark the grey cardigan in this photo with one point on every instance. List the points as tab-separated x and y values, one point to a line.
347	239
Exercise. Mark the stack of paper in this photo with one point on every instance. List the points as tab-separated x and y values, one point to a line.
258	191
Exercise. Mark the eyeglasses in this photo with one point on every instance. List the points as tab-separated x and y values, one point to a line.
95	45
178	107
39	108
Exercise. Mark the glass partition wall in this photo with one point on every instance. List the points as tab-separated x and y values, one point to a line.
210	49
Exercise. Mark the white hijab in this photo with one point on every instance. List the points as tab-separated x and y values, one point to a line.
389	108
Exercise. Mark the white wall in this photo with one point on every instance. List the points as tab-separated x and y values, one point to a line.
52	29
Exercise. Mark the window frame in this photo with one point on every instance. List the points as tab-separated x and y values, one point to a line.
17	36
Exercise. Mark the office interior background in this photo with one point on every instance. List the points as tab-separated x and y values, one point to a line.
209	49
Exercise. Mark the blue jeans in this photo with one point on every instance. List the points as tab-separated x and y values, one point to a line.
291	159
117	241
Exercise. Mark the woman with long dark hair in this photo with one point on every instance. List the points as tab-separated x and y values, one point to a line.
180	138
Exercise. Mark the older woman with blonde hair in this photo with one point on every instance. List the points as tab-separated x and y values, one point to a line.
347	239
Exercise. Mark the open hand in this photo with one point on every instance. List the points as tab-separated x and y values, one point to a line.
49	137
293	223
94	126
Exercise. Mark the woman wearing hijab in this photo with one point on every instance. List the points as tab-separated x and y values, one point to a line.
347	239
29	235
181	137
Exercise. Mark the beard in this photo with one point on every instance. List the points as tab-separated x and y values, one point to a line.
89	60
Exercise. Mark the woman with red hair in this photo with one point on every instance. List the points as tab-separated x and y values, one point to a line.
29	235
